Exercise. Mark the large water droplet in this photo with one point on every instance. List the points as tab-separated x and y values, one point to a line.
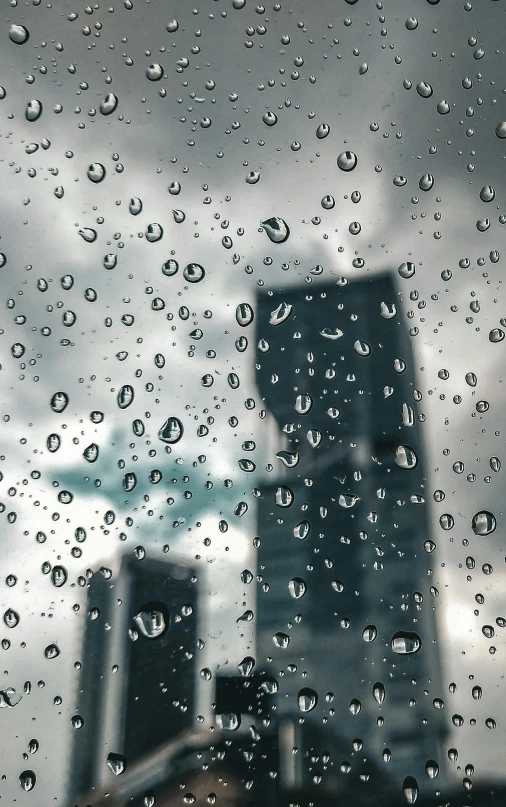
27	780
378	692
307	699
406	457
194	273
152	620
125	396
244	314
322	131
171	431
406	642
33	110
500	130
280	314
154	72
109	104
19	34
117	763
96	172
303	403
284	496
11	618
301	531
52	651
347	161
154	232
424	89
483	523
277	229
297	587
91	452
229	721
59	401
410	789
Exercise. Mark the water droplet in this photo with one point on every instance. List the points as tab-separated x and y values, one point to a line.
59	402
369	633
91	452
135	206
301	531
229	721
431	768
244	314
59	576
307	699
405	457
355	706
347	161
362	348
500	130
96	172
410	789
33	110
426	182
284	496
109	104
270	118
322	131
496	335
411	23
483	523
88	234
19	34
424	89
331	333
117	763
297	587
348	500
314	437
154	232
277	229
125	396
443	107
246	666
487	193
152	620
179	216
280	314
378	692
171	431
406	270
406	642
52	651
303	403
11	618
328	202
289	458
154	72
170	267
194	273
400	181
27	780
281	640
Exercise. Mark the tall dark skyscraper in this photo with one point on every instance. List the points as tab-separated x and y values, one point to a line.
138	675
345	580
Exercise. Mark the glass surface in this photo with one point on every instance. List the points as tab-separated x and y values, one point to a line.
252	361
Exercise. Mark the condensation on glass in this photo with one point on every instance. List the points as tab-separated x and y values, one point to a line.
252	361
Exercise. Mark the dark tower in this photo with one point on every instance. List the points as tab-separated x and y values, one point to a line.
343	522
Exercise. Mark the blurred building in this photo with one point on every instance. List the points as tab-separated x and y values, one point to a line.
137	687
343	524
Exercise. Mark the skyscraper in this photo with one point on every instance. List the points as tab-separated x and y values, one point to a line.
345	609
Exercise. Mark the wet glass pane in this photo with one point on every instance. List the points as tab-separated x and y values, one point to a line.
252	411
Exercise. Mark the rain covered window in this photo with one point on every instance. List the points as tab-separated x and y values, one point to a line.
252	403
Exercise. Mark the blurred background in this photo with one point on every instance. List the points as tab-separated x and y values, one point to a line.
252	418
